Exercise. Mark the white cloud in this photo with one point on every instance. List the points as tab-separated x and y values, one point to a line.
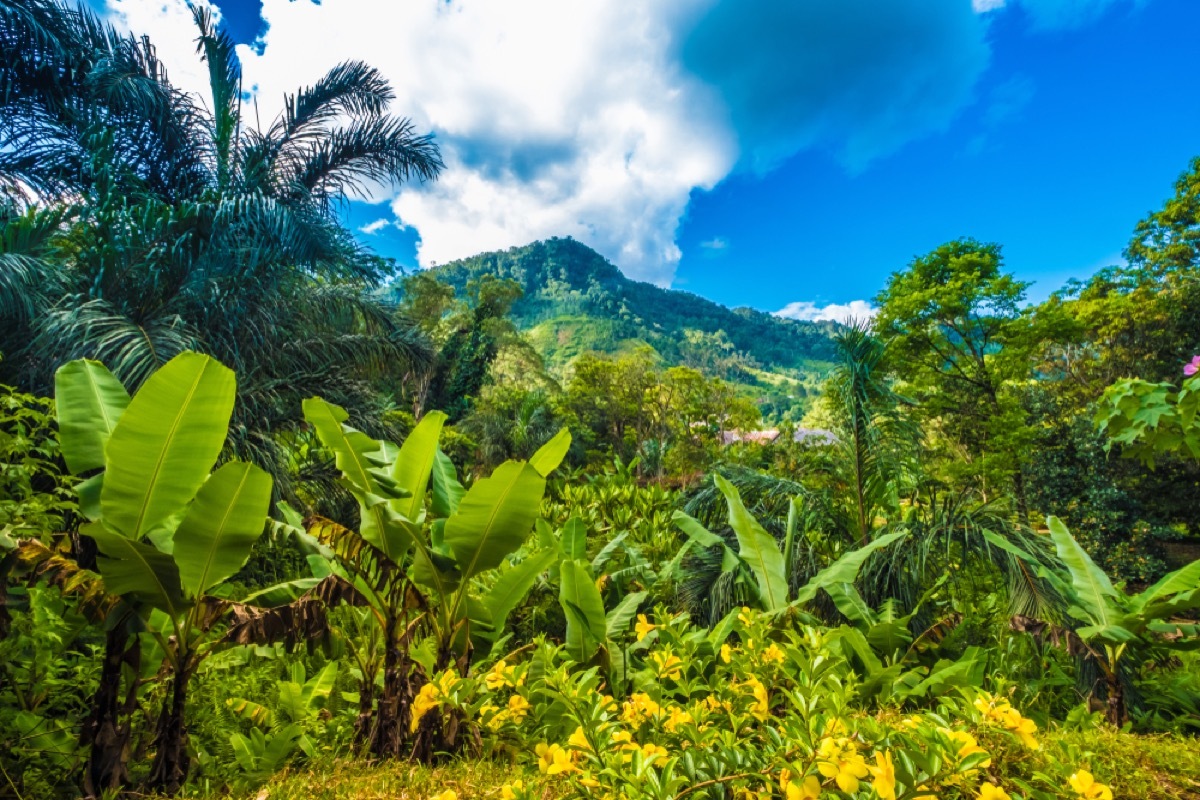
715	244
984	6
840	312
598	120
376	226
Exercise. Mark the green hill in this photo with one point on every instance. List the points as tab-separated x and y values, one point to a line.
575	301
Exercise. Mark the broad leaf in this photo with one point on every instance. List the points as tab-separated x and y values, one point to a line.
574	539
165	443
757	548
136	570
495	517
617	621
221	526
551	454
1094	592
89	401
415	462
584	608
513	584
1185	579
845	569
355	455
447	491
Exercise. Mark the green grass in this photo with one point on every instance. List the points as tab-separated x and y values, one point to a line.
1150	767
361	780
1154	767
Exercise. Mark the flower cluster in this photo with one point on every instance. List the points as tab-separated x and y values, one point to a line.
432	695
1001	712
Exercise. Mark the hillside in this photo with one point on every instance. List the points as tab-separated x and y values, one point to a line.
576	301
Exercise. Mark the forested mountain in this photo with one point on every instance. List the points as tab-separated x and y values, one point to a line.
576	301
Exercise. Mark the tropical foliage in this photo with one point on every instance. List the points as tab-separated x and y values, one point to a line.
277	520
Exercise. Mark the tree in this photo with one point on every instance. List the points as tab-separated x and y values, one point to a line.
168	535
183	227
958	337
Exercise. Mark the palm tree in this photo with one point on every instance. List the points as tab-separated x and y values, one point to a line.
181	227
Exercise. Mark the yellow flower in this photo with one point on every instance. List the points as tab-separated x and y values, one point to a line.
1024	728
643	627
1088	787
726	653
601	582
607	703
884	773
651	750
773	654
639	705
924	788
495	677
518	707
761	708
677	717
509	790
667	665
809	789
990	791
552	759
841	763
449	794
588	781
579	740
744	616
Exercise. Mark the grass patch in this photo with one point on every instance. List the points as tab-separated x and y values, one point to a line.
1157	767
1151	767
361	780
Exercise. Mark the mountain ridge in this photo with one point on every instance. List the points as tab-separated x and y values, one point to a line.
576	301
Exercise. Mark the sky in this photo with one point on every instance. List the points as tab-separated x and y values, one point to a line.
778	154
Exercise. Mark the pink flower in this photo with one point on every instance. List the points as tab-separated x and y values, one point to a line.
1192	367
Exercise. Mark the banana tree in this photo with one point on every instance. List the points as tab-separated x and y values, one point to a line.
416	566
760	566
169	530
1112	624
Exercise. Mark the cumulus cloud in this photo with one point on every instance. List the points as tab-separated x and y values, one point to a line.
376	226
598	120
806	311
717	244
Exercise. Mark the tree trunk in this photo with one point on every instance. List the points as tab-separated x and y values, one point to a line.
171	762
1115	712
105	735
392	712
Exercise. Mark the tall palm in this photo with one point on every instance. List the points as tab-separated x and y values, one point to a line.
186	228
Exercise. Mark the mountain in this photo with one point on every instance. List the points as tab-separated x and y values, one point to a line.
576	301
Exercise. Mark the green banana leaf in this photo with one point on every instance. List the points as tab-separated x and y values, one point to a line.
414	463
1094	593
757	548
355	455
513	584
495	517
136	570
584	608
89	401
574	539
845	569
447	491
221	526
551	454
161	450
617	621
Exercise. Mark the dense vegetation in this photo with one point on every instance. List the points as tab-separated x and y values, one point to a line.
574	302
275	522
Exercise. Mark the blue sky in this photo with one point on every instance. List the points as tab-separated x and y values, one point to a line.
794	156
